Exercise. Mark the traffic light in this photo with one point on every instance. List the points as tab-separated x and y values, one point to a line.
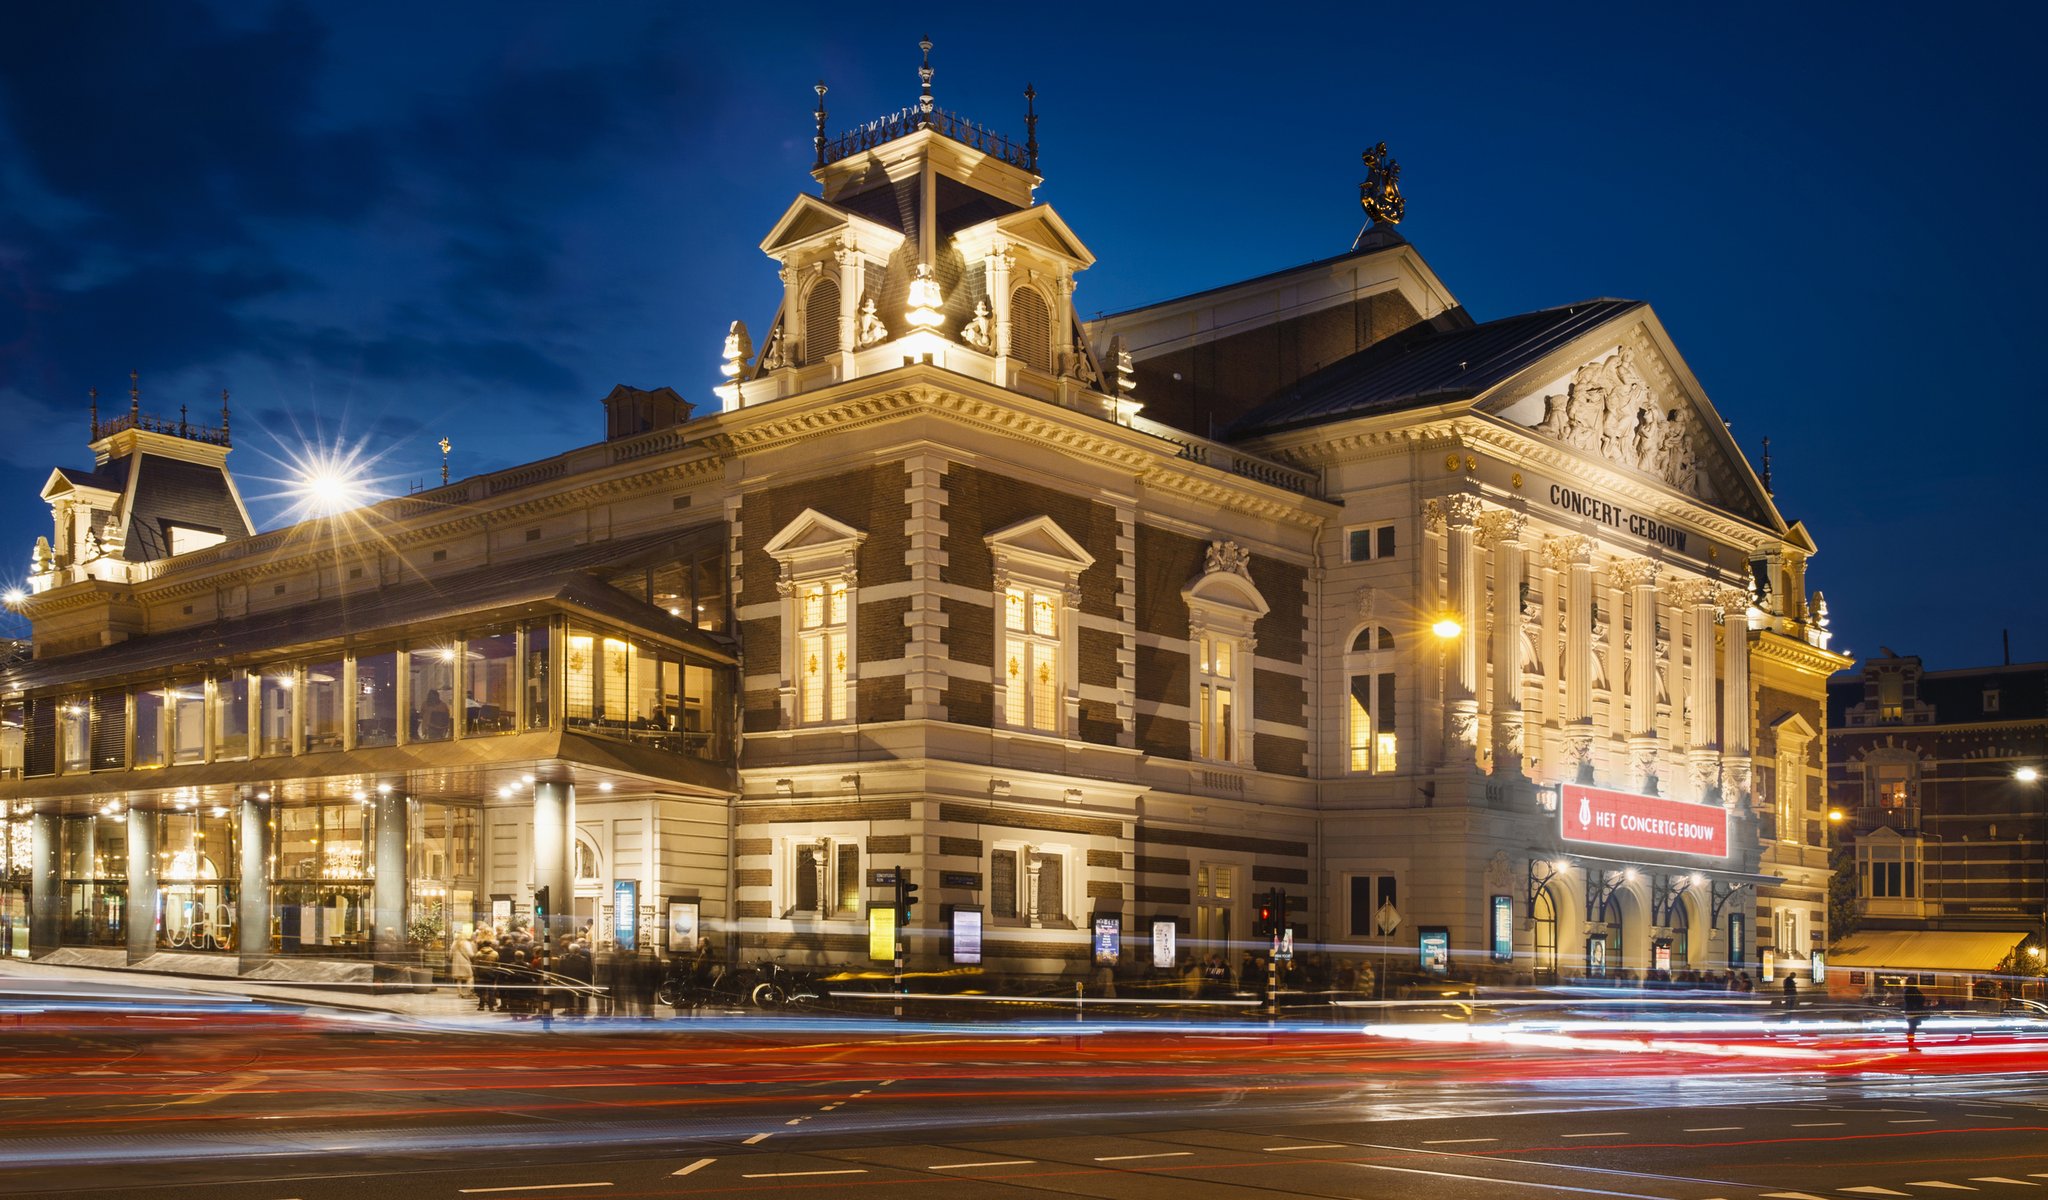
906	897
540	909
1279	902
1268	919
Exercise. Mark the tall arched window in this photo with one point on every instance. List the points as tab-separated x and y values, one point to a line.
1544	940
1372	741
821	321
1031	328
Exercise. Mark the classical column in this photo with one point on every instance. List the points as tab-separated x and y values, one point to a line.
46	903
1549	604
1461	581
252	898
388	886
1503	530
996	266
1735	715
554	839
1642	675
1703	763
142	864
1575	552
848	259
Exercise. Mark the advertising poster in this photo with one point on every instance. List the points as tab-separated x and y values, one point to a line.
882	934
1590	814
1109	940
1503	928
501	915
1738	941
1434	946
682	925
1660	956
1818	966
1163	950
1596	956
626	913
966	935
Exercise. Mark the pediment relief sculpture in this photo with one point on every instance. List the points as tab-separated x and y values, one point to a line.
1608	409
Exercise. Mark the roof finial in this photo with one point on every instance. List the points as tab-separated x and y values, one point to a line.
94	395
819	140
223	416
184	423
1767	468
1030	128
924	76
134	396
1380	194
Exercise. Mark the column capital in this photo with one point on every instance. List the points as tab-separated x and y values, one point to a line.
1462	511
1632	572
1568	550
1501	526
1692	590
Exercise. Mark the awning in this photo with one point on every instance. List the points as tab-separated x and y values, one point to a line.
1926	949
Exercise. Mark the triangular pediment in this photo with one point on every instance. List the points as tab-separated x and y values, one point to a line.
809	219
812	532
1620	394
1794	726
1041	542
1037	227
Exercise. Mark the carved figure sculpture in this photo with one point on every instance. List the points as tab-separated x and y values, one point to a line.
1608	408
91	547
774	358
871	328
980	331
44	559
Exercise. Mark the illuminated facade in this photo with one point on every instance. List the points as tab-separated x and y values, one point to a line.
1127	618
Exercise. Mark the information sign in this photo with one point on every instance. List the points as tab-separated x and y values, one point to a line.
1503	928
1388	918
966	935
626	913
1434	946
682	925
1283	948
882	934
1164	954
1818	966
1109	939
1596	956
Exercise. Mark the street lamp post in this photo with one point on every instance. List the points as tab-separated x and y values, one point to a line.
2031	776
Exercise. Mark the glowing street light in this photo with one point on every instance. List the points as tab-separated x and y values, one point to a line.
2026	774
1447	627
328	484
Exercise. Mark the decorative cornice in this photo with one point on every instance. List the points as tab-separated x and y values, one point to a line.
1798	655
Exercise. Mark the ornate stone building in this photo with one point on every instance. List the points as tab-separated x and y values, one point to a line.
1065	621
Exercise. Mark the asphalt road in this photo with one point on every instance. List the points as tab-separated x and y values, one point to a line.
274	1106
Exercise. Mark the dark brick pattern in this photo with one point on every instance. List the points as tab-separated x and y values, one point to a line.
1148	864
959	847
893	843
1011	818
1154	836
1106	858
826	810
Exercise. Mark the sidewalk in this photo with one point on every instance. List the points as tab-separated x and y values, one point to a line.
440	1002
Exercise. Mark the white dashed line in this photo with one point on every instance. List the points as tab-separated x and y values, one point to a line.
1458	1141
1000	1162
1873	1191
1133	1157
794	1174
1312	1146
1911	1121
796	1121
1817	1124
1936	1183
532	1187
1610	1133
757	1139
2001	1179
1714	1129
694	1167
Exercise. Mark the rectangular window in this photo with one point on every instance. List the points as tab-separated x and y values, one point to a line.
1892	784
1368	893
149	727
188	721
806	880
1052	905
376	699
109	730
321	707
538	680
1991	700
1372	543
274	717
430	683
1374	746
490	688
1031	661
231	716
1891	696
39	736
1215	695
1002	885
849	880
821	650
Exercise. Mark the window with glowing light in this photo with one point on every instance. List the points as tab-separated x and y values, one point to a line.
441	873
187	721
822	651
430	689
490	683
231	716
149	727
1216	690
74	734
323	857
198	867
109	729
322	705
93	863
375	701
538	676
1373	745
1031	658
275	695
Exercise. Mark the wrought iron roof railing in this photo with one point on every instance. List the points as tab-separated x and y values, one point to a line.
182	428
907	121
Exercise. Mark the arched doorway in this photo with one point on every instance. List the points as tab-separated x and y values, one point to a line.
1543	935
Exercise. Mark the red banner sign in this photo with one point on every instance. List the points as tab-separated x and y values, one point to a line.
1589	814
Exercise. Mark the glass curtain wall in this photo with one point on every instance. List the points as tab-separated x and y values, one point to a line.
645	694
441	857
322	706
275	718
431	685
376	698
231	716
197	867
320	894
490	693
74	743
93	862
187	712
539	677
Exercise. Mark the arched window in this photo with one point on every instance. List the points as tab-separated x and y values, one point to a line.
1373	742
1544	940
821	321
1031	329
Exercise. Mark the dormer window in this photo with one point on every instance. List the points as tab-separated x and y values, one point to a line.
1031	329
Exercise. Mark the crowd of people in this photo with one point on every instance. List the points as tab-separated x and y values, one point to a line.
510	972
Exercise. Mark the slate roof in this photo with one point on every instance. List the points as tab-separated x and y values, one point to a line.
170	491
1424	366
103	480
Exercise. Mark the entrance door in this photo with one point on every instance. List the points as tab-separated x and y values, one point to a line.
1215	896
1544	939
13	921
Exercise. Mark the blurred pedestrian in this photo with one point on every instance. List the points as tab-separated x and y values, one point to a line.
577	968
1914	1005
486	966
647	973
461	967
604	971
1791	993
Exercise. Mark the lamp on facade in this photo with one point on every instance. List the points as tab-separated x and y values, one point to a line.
2031	776
1447	627
924	300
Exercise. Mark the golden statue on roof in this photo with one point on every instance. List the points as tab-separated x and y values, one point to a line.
1380	194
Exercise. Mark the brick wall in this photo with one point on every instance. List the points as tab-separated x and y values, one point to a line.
980	502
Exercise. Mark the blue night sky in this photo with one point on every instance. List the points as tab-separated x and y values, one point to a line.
382	224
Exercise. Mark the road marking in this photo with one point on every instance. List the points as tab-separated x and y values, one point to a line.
1936	1183
1000	1162
1457	1141
796	1121
1714	1129
531	1188
2000	1179
1874	1191
1817	1124
1610	1133
1132	1157
1794	1196
828	1108
694	1167
1496	1181
1912	1121
794	1174
885	1083
1312	1146
757	1139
